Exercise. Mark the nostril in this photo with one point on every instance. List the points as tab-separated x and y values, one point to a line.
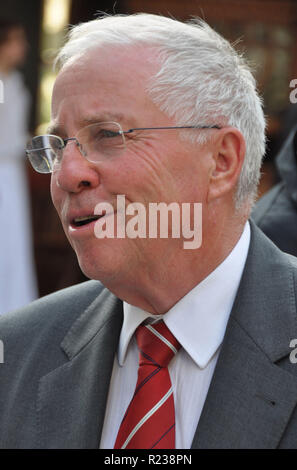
85	183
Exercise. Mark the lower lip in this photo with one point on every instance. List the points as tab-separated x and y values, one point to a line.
84	229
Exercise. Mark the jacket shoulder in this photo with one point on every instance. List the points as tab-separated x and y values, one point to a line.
274	202
276	214
55	311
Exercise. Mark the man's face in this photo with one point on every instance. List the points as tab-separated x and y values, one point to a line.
156	166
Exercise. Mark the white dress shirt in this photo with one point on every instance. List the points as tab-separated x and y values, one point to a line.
198	321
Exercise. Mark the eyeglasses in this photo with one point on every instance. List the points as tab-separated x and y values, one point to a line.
96	142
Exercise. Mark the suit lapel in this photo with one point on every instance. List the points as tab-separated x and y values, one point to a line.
72	398
250	399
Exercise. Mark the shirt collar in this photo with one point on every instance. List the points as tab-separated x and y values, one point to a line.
199	319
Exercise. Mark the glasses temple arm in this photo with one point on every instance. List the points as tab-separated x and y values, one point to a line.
215	126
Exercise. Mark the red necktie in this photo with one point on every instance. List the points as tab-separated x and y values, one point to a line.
149	422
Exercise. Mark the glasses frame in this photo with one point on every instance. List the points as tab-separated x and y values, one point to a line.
120	132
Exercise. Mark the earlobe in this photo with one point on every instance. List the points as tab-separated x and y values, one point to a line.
228	158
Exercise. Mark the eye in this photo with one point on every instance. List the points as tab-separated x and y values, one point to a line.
107	133
106	137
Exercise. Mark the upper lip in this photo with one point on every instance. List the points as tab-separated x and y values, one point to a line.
73	216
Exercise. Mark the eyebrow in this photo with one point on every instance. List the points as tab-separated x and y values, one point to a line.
92	119
53	129
104	117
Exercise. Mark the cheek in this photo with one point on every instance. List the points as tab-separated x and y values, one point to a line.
131	177
56	193
145	173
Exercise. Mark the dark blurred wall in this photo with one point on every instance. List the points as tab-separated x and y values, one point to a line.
29	13
83	10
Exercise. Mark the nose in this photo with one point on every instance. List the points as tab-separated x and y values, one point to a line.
75	172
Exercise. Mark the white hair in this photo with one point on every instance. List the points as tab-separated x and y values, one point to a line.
202	79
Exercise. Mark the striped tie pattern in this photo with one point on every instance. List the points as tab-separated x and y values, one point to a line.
149	422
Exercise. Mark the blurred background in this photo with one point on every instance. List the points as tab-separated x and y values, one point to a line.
267	30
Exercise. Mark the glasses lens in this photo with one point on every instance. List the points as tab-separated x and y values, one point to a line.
44	152
101	140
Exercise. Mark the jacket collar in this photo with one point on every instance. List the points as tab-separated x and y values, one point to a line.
105	309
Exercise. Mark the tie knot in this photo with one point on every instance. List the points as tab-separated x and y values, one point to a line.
156	344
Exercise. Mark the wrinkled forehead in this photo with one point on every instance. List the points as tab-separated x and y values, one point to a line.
125	64
109	79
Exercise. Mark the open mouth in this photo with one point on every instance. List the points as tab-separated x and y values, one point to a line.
80	221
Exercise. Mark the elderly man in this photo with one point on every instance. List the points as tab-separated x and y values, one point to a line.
175	347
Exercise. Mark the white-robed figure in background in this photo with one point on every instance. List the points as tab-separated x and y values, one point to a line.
17	270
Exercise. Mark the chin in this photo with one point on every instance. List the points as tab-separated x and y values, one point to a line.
101	264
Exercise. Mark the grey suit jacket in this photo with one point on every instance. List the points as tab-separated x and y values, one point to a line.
59	352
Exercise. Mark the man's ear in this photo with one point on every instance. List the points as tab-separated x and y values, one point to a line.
228	156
